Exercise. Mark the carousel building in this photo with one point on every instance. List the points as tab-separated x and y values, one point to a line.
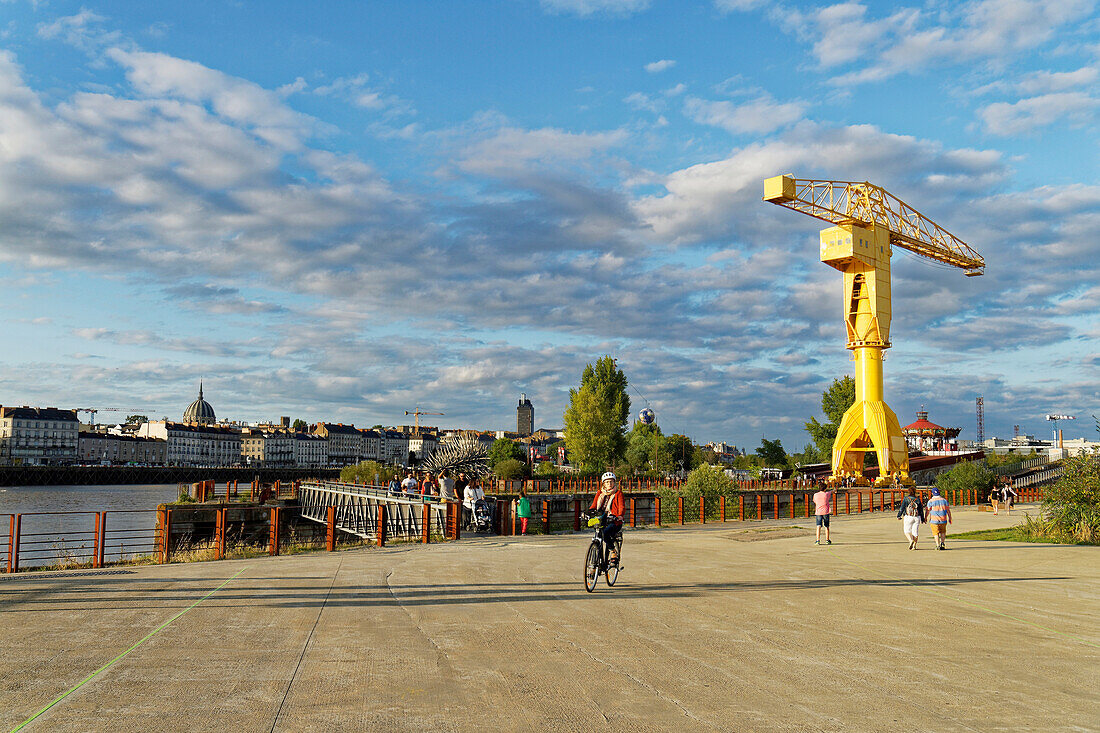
927	436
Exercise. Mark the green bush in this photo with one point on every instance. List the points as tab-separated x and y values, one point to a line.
1071	506
510	468
966	477
547	469
363	473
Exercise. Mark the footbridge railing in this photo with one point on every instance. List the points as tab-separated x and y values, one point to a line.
1038	477
370	513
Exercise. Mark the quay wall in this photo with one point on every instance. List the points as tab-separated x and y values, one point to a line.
89	475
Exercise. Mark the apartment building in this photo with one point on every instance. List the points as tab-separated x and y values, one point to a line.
38	436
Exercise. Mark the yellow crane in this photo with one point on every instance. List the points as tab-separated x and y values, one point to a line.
867	222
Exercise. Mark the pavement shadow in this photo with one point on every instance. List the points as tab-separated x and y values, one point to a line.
365	596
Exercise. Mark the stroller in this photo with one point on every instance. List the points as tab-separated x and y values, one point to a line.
481	518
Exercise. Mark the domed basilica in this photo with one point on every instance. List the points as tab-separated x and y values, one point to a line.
200	412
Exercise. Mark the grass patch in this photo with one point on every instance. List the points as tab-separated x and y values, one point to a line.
1017	533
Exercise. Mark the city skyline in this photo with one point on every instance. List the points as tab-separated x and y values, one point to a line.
344	212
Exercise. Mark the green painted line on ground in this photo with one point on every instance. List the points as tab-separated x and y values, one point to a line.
138	643
938	592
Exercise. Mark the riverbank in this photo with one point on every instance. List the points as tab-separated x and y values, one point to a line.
107	475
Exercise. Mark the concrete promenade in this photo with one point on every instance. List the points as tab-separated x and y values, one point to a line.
741	627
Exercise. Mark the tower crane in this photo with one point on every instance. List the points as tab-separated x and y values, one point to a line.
867	222
418	413
93	410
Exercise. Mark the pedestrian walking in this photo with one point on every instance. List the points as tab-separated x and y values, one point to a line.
409	484
394	488
911	514
823	508
523	510
939	516
447	487
994	498
1008	496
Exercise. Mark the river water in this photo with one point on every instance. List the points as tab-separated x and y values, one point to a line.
58	522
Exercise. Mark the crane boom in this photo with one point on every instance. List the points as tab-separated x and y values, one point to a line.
864	204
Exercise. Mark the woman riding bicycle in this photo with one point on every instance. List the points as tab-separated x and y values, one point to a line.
609	501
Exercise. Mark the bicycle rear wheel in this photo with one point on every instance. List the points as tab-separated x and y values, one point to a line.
613	570
592	567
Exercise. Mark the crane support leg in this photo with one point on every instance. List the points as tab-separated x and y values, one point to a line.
863	256
870	425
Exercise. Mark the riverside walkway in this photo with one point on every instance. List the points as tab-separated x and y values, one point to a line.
746	627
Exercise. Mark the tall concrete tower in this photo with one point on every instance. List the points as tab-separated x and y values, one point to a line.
525	416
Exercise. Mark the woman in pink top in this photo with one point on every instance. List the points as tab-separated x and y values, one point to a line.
823	503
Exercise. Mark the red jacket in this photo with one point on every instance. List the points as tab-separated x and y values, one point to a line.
616	507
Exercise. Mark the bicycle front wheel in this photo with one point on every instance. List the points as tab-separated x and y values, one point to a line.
592	567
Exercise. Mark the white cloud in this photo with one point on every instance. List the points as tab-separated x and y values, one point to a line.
729	6
1003	118
761	115
1047	82
657	66
511	149
914	39
586	8
637	100
675	91
243	102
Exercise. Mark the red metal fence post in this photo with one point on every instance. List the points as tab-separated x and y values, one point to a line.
792	505
633	523
759	506
546	516
219	534
96	546
702	509
741	507
657	510
722	507
273	543
166	538
775	506
426	524
13	543
680	508
330	529
381	525
806	504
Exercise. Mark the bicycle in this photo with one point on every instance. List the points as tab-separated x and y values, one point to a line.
596	559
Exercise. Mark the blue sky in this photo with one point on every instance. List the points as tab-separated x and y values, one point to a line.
343	212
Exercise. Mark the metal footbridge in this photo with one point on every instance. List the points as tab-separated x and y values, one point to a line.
362	511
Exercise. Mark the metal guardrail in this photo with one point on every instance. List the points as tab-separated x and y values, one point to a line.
1010	469
369	512
1036	478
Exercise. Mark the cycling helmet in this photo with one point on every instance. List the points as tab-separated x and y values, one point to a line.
609	475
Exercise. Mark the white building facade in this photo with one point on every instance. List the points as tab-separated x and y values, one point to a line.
38	436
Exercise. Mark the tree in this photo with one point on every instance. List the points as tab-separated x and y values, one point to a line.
772	453
365	471
835	401
136	419
595	421
967	476
681	451
503	449
704	455
299	426
546	469
510	468
639	445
